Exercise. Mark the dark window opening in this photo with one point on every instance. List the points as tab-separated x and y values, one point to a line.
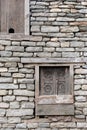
11	30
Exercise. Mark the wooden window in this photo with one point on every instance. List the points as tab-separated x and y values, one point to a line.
54	90
14	16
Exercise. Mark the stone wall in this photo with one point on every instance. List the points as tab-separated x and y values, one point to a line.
58	33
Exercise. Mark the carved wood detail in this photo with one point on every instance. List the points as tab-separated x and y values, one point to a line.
54	80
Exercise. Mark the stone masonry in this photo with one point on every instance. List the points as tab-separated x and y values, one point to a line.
58	31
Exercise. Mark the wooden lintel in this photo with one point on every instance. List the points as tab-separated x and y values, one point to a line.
53	60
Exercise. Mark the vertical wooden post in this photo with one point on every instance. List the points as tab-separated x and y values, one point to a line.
27	17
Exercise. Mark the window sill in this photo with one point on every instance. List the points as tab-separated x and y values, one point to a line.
54	110
55	99
18	36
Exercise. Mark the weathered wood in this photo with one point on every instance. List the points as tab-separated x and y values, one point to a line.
52	60
47	81
27	16
16	15
56	104
12	16
55	110
55	80
20	37
3	16
55	99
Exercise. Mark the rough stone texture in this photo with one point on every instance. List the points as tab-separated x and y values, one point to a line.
58	32
23	93
3	92
49	29
19	112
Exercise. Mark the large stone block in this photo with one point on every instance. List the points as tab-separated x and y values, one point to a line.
42	54
24	54
69	29
2	112
8	98
81	125
11	64
28	43
64	49
32	125
3	92
25	80
1	47
52	44
65	19
4	42
80	98
10	59
44	125
6	53
5	80
23	93
81	71
76	44
8	86
49	29
26	70
70	54
49	49
21	98
35	28
55	10
63	125
21	125
19	112
18	75
14	105
12	69
3	120
34	49
27	105
4	105
12	120
14	48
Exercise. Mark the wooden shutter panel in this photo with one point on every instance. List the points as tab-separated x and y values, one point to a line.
3	16
47	85
54	81
12	16
16	15
56	90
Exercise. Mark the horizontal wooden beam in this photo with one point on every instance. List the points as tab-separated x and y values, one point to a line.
53	60
55	110
55	99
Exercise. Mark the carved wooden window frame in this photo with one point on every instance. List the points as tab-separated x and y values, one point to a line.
54	104
26	21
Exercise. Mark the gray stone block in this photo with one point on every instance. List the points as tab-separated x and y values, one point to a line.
14	48
27	105
19	112
34	49
5	80
5	42
23	93
49	29
26	81
8	86
8	98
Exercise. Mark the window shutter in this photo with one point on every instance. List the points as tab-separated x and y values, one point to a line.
12	16
54	90
3	16
16	15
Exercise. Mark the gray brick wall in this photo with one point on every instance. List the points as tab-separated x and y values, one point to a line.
58	31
